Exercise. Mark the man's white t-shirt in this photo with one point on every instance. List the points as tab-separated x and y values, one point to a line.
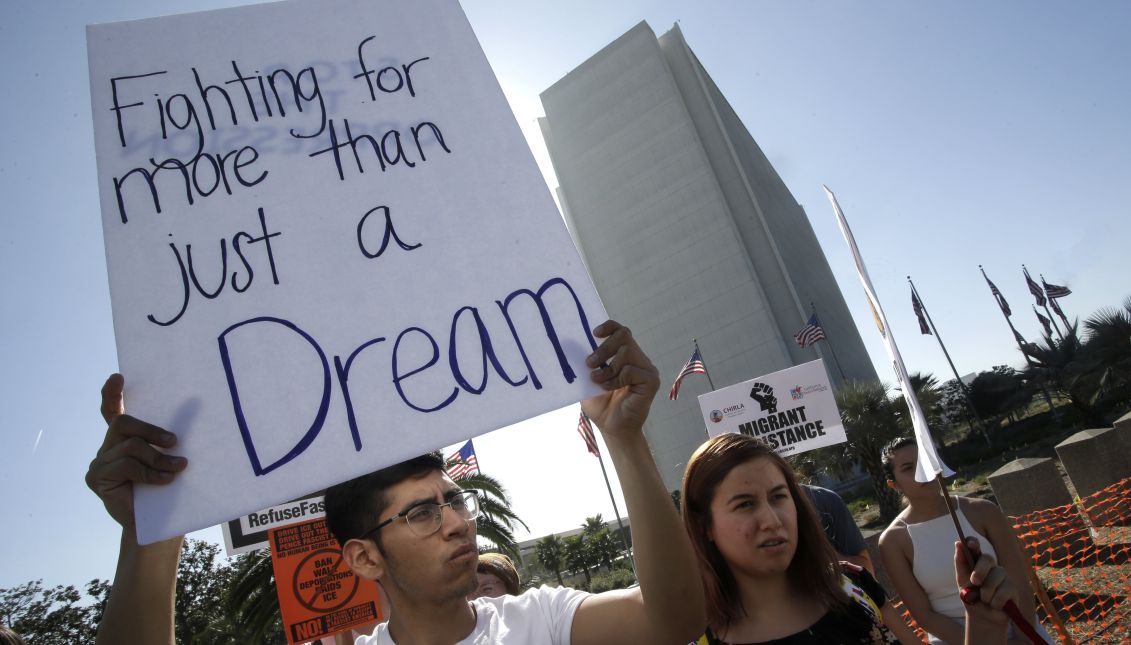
543	615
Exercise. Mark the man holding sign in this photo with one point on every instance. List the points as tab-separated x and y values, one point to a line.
426	561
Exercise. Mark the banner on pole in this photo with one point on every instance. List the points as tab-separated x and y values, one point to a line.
328	246
792	410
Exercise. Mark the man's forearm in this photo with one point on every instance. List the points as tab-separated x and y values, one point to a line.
665	562
141	603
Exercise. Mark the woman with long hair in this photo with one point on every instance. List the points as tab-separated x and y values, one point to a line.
915	548
769	572
771	575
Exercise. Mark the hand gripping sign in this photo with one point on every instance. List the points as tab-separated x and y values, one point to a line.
329	248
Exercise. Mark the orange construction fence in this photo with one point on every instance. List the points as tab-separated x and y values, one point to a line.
1081	556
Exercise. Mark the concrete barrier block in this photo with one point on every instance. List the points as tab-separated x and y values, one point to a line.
1094	459
1030	484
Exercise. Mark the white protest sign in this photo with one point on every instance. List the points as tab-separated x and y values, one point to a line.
329	248
793	410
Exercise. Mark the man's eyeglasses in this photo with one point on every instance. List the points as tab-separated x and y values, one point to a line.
425	519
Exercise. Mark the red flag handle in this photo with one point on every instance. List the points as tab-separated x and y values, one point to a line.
970	595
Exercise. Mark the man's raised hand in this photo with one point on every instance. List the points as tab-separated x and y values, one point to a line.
128	455
629	379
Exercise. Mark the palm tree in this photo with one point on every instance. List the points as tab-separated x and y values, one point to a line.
871	419
593	524
998	393
496	521
1063	365
927	392
253	601
578	555
1107	350
551	553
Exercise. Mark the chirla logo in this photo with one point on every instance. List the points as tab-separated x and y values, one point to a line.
716	416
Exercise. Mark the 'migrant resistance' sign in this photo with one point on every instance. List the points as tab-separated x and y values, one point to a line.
792	410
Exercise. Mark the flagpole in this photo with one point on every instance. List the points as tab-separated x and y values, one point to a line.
1058	309
1052	319
706	372
1016	337
1044	304
1015	616
1048	323
928	460
620	523
832	351
965	390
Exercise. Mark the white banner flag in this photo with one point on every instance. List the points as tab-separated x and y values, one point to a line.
930	465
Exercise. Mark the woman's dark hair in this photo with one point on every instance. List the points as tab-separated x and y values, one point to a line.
888	450
502	568
813	569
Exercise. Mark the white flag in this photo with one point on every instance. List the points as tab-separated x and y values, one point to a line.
930	465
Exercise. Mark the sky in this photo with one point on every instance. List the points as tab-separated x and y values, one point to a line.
954	134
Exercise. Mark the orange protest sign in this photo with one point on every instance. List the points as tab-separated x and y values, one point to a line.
318	594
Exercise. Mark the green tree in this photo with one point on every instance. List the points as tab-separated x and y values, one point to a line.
252	599
998	393
871	419
551	555
1107	353
54	616
497	521
202	579
929	394
593	524
1062	365
578	555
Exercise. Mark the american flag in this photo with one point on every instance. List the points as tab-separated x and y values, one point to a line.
586	431
1034	288
810	333
924	328
1055	291
1044	322
462	462
1000	298
694	366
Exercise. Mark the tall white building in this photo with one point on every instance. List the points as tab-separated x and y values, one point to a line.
687	229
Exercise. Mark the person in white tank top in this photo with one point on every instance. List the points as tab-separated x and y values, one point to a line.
917	549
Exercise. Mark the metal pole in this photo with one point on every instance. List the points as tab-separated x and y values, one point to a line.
1044	390
965	390
624	541
706	372
832	352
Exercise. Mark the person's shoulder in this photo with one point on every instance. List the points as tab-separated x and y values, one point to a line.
535	596
375	638
824	498
818	491
895	535
980	511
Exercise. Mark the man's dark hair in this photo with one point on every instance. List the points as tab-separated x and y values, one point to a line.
352	507
887	451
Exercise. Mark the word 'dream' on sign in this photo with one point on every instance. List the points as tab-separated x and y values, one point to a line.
328	252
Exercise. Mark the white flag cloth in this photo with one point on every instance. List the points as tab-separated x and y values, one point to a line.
930	465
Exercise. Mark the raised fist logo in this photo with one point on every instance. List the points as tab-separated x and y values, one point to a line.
764	395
